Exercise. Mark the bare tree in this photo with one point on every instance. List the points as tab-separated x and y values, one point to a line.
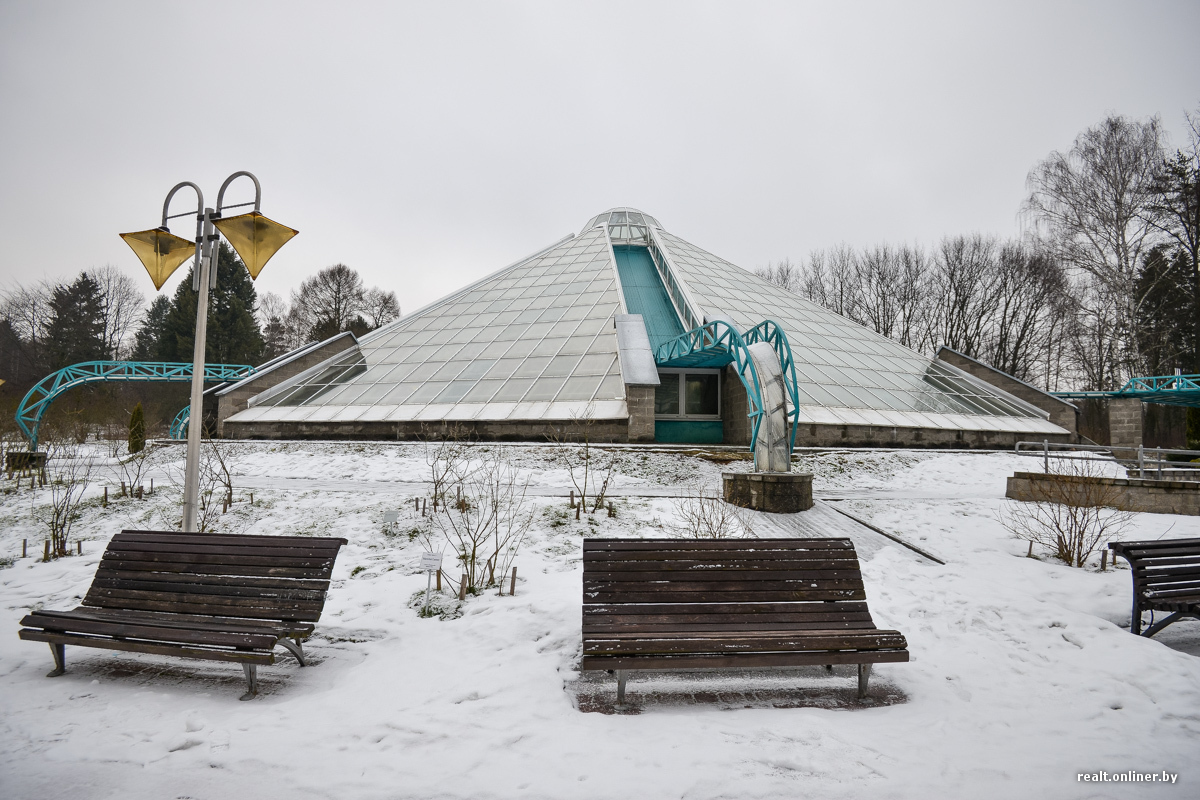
1097	203
329	302
69	468
783	274
123	305
380	307
280	333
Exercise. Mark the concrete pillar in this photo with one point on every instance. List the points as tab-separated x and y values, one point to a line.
640	401
1124	421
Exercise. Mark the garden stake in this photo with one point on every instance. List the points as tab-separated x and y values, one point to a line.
122	488
46	555
424	505
577	511
572	498
152	486
439	580
462	588
512	590
24	548
1103	560
79	546
106	497
1030	553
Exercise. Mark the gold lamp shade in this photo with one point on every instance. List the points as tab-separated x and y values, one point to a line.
255	238
161	252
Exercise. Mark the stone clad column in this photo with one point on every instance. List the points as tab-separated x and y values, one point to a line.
1124	421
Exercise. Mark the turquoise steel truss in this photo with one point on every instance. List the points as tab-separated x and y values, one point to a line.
718	343
33	407
1170	390
180	423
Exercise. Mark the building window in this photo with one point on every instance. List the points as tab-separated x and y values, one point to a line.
683	394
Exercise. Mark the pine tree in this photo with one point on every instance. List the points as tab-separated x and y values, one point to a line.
233	336
147	341
76	329
137	430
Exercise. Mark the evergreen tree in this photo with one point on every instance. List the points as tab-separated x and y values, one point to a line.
1167	312
233	336
137	430
146	343
76	329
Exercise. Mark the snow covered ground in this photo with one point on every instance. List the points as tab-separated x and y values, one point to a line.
1021	674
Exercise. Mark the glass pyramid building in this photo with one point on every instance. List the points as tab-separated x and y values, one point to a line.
577	331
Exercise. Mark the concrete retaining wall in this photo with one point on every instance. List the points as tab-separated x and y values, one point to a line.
1159	497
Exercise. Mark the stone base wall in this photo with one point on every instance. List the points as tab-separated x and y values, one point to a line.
777	492
600	430
1158	497
640	401
809	435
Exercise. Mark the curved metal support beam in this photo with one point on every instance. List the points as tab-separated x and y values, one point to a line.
719	336
771	332
35	403
231	179
179	424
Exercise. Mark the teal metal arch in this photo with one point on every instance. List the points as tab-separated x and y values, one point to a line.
35	403
180	423
718	343
1171	390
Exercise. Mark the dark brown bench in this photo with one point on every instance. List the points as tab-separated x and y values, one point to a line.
671	604
197	595
1166	578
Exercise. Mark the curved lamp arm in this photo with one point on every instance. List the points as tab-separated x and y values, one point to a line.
231	179
199	201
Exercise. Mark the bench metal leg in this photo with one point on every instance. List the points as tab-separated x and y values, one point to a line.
1165	621
60	659
294	647
864	676
1135	619
251	680
829	667
620	687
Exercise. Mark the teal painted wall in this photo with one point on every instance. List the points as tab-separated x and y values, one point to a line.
645	294
685	431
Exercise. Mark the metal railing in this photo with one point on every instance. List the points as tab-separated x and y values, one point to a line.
1143	459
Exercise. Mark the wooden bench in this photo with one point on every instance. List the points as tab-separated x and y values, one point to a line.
671	604
1166	578
197	595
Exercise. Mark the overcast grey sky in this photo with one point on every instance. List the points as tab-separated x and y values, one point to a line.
428	144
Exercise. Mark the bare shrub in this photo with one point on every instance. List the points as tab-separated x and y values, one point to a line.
1074	511
705	515
69	468
482	513
590	468
215	487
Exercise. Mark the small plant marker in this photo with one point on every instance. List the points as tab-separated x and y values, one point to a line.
431	562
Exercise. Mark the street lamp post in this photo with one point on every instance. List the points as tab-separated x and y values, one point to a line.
255	239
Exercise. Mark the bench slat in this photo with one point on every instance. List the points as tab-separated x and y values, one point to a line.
724	608
124	630
277	628
665	643
607	596
216	559
734	545
225	551
216	590
251	571
718	574
236	539
743	660
211	579
106	643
